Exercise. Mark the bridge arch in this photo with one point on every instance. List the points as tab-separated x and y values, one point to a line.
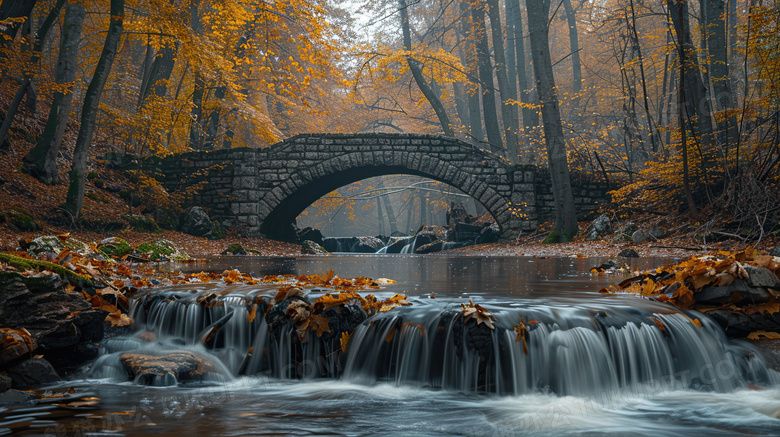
279	207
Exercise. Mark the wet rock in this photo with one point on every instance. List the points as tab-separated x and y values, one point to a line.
42	245
435	246
16	345
762	277
5	383
309	247
368	245
311	234
396	244
16	397
725	294
640	236
59	322
342	319
31	373
196	221
628	253
601	227
739	324
147	368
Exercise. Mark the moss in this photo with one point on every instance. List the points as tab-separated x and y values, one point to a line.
20	221
20	263
92	175
114	246
234	249
553	238
218	231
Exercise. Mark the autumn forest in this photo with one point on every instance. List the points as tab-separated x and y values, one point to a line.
676	102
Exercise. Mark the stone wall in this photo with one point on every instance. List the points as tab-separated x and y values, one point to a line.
265	189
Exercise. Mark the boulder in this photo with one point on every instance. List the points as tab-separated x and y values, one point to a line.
114	246
16	345
196	221
762	277
162	250
775	251
16	397
396	244
47	244
726	294
640	236
311	248
628	253
32	373
624	232
5	383
740	324
601	227
367	245
488	234
657	233
152	369
234	249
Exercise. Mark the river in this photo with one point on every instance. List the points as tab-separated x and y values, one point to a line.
593	366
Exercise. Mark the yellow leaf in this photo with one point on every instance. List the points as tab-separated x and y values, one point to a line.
755	335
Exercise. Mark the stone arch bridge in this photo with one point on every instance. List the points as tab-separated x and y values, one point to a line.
265	189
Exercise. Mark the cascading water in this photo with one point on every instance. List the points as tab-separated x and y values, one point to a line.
567	347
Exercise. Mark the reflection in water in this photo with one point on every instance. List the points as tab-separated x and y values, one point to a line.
441	275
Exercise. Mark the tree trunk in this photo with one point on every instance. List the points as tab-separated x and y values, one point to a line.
717	46
565	213
638	49
681	97
41	162
574	46
486	78
416	68
508	111
40	38
75	198
530	116
470	61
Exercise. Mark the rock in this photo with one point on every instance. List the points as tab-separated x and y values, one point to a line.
640	236
775	251
311	248
601	227
45	244
151	369
657	233
624	232
62	324
725	294
367	245
31	373
762	277
20	221
435	246
196	221
162	250
488	234
628	253
396	244
311	234
16	344
739	324
234	249
114	246
16	397
142	223
5	383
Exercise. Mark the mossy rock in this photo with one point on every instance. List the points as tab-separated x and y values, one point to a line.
237	249
20	221
218	231
162	250
43	244
114	246
24	264
142	223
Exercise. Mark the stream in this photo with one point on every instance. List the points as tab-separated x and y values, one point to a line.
593	364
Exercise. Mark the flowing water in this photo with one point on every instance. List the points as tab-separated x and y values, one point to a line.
582	363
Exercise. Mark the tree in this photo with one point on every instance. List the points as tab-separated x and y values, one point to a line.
485	66
565	213
508	110
75	197
414	67
41	162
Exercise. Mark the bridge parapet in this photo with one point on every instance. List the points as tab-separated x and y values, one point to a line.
265	189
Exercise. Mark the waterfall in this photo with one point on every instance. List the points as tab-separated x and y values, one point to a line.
570	348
